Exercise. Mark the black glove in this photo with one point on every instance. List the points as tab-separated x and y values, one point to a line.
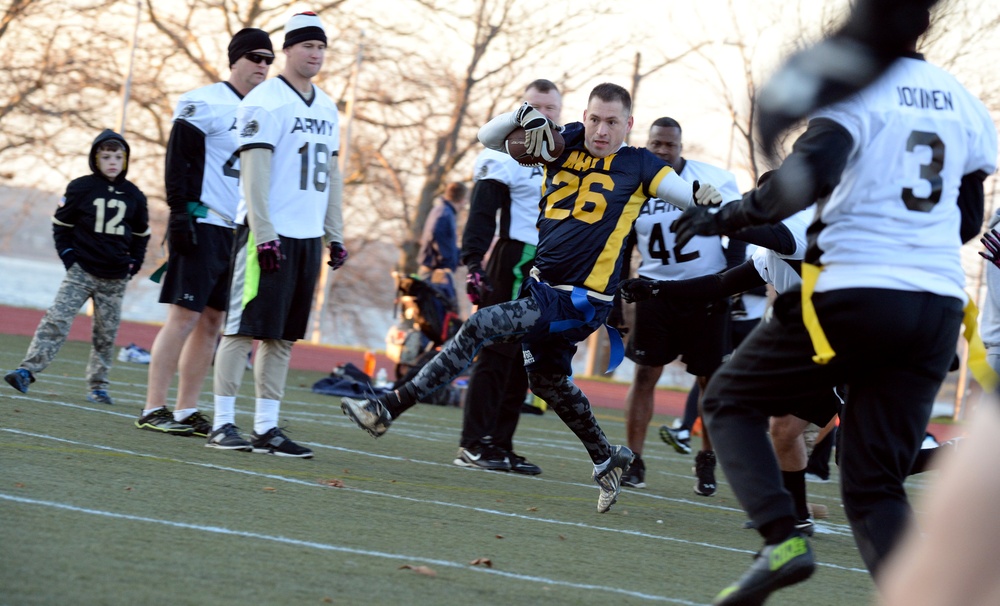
477	285
695	221
991	240
269	256
338	255
68	258
133	268
181	233
634	290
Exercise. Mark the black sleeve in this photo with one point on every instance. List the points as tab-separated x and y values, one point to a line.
713	286
809	173
971	203
140	231
185	165
735	253
630	243
775	236
488	196
66	216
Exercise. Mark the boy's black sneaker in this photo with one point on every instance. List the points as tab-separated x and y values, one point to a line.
635	477
20	379
276	443
774	567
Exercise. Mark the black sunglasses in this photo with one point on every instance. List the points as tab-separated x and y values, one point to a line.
257	58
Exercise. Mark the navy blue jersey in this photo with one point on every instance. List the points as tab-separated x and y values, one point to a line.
587	209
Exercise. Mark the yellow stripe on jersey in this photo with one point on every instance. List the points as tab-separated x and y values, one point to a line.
660	176
980	368
603	269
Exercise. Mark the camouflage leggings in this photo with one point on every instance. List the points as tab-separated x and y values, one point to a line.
76	288
508	323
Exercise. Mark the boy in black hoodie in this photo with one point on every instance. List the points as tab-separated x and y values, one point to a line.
101	228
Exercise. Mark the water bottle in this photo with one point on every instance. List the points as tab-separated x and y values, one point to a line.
382	378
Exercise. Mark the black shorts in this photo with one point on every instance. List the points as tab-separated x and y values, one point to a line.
663	332
273	305
200	279
509	266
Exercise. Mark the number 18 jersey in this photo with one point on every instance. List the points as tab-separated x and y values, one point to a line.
304	137
893	221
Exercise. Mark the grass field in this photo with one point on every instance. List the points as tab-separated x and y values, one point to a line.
94	511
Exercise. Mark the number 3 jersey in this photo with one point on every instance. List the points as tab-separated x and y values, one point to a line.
304	137
701	256
587	209
893	221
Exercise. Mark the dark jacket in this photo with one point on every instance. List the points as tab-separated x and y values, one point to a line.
102	224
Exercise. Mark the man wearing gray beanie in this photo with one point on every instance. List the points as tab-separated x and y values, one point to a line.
288	133
202	187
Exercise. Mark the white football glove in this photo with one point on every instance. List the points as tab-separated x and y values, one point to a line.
706	195
538	138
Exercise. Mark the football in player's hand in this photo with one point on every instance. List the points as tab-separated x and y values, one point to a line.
517	149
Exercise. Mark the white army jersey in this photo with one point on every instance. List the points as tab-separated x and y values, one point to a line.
212	110
701	256
772	267
893	221
525	185
305	138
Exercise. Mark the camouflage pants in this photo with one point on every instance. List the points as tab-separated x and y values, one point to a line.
76	288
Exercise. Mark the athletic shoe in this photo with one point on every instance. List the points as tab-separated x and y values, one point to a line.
162	419
678	439
20	379
202	425
483	456
370	415
806	526
276	443
134	354
812	477
99	396
519	464
635	477
610	479
774	567
228	437
704	469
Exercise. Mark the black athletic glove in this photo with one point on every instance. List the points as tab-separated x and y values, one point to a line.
634	290
181	233
269	256
68	258
695	221
133	268
338	255
991	240
477	285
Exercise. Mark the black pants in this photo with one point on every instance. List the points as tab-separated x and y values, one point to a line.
893	349
497	387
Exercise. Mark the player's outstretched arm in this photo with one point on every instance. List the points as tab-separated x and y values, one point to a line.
493	133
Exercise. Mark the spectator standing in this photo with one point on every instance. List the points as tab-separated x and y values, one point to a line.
202	187
101	229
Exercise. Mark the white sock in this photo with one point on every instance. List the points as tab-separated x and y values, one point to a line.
266	415
180	415
225	411
600	468
145	413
